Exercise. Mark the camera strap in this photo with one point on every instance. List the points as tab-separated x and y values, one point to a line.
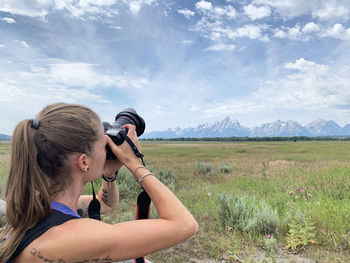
94	209
134	148
143	200
143	208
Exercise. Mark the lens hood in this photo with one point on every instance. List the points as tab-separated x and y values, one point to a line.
136	119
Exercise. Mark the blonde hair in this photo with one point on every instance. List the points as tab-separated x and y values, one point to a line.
39	166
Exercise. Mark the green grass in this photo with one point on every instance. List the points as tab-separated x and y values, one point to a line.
263	170
264	174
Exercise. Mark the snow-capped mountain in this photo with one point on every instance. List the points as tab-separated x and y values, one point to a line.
280	128
224	128
231	128
325	128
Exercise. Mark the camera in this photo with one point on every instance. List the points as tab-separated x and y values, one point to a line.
116	131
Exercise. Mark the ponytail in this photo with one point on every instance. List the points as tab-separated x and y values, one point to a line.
26	194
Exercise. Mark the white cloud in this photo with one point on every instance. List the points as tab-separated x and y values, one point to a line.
217	12
116	27
21	87
214	25
186	12
204	5
331	10
306	66
288	8
250	31
311	27
294	33
215	36
42	8
231	12
322	9
279	33
187	42
87	75
255	13
24	44
78	74
336	31
221	46
136	5
77	8
311	87
206	27
61	78
24	7
86	3
8	20
129	82
81	8
219	32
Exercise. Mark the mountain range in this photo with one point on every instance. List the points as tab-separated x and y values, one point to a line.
230	127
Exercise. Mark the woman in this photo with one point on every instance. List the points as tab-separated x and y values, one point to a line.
53	157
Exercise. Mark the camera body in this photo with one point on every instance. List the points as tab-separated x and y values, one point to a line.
116	131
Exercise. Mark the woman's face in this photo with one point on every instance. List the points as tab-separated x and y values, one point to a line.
98	155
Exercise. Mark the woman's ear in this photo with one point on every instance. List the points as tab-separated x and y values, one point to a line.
83	162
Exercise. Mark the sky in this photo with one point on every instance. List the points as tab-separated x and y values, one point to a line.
178	63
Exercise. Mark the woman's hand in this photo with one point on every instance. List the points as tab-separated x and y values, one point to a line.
124	152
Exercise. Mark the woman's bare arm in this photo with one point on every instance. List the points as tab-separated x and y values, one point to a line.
88	240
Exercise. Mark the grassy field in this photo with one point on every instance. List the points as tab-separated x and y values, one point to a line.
255	201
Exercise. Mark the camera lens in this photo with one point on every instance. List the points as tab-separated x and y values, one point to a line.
116	131
130	116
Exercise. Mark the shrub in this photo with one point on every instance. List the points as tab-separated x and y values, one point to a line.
204	168
225	168
128	216
248	215
168	178
128	187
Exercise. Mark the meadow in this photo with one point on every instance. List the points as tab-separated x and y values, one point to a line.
254	201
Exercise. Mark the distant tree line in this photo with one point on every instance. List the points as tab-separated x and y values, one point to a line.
252	139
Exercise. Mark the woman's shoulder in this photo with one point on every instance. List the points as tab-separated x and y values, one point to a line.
68	238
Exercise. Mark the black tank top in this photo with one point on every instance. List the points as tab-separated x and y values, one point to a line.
54	218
